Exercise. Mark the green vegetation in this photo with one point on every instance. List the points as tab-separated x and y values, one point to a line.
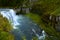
40	13
35	38
12	3
5	29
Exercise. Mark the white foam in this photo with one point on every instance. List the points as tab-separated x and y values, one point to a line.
11	15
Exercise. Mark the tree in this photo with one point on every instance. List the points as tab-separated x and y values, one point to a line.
45	6
11	3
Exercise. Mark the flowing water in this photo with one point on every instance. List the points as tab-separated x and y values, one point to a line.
22	26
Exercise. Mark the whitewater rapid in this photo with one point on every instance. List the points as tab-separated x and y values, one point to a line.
10	14
22	25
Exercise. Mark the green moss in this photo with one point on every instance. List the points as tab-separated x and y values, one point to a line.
34	17
6	36
50	30
5	28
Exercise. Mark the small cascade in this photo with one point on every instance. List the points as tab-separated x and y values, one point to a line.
42	37
10	14
22	25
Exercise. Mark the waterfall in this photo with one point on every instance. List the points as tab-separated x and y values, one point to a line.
27	27
10	14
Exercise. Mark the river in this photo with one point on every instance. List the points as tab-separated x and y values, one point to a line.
22	26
